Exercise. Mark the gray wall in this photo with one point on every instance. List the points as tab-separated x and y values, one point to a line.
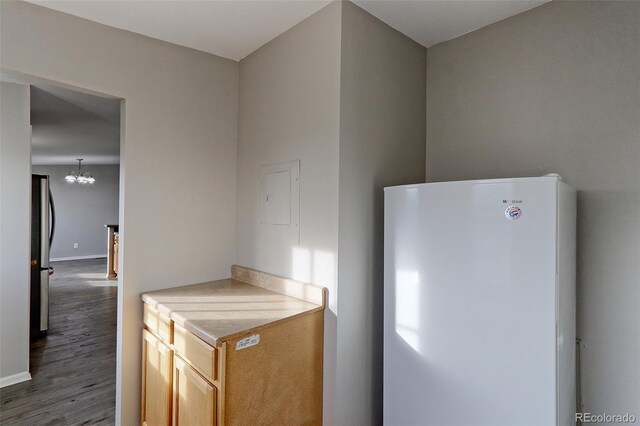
82	210
15	217
557	89
343	93
178	154
289	110
382	143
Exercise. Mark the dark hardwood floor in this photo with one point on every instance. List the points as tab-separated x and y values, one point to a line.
73	368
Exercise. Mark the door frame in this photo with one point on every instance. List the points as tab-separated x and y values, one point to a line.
30	79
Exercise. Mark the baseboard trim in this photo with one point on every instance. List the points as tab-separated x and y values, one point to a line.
14	378
91	256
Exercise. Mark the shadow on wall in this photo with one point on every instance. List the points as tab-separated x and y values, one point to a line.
605	224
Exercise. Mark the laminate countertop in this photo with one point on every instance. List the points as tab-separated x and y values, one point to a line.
218	311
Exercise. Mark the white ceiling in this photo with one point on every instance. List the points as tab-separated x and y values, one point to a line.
231	29
235	28
431	22
67	125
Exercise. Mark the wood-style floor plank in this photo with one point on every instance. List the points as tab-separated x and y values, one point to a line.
73	368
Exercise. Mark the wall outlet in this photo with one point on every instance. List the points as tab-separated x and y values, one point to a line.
75	245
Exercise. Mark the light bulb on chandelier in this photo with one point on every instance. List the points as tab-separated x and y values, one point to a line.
78	176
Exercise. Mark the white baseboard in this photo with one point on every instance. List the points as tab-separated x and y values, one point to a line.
14	378
91	256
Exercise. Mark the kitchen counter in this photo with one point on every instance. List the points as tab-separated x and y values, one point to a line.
243	350
218	311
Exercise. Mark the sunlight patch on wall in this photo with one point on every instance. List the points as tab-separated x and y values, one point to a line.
324	274
301	264
316	267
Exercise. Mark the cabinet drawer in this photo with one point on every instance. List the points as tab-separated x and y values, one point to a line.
158	323
200	354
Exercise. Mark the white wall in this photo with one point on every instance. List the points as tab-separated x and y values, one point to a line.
82	210
289	110
557	89
177	214
15	231
382	143
343	93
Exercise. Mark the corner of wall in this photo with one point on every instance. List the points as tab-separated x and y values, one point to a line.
382	143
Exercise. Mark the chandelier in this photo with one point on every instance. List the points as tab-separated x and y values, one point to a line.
78	176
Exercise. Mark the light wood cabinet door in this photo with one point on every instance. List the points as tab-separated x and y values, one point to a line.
194	398
157	360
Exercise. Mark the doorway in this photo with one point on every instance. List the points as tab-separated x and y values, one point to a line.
73	311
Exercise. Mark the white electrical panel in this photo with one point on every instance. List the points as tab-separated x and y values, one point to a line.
277	198
280	202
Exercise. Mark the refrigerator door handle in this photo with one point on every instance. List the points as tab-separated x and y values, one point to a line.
53	219
45	234
45	248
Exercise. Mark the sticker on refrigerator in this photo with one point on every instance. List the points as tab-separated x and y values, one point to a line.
513	212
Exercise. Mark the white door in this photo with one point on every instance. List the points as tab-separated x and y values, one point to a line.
470	303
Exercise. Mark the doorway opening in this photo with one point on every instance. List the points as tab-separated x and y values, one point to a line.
75	240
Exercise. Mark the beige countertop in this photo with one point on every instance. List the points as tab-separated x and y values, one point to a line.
220	310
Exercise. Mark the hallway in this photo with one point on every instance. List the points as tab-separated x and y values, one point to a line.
73	368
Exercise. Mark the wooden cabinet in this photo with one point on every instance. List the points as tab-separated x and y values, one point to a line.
202	356
112	251
157	323
157	360
241	351
194	398
116	249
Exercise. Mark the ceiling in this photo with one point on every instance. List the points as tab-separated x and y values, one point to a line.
235	28
67	125
431	22
231	29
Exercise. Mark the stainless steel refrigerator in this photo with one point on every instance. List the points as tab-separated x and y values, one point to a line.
479	303
42	230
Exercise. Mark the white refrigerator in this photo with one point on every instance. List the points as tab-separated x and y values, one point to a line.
479	303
